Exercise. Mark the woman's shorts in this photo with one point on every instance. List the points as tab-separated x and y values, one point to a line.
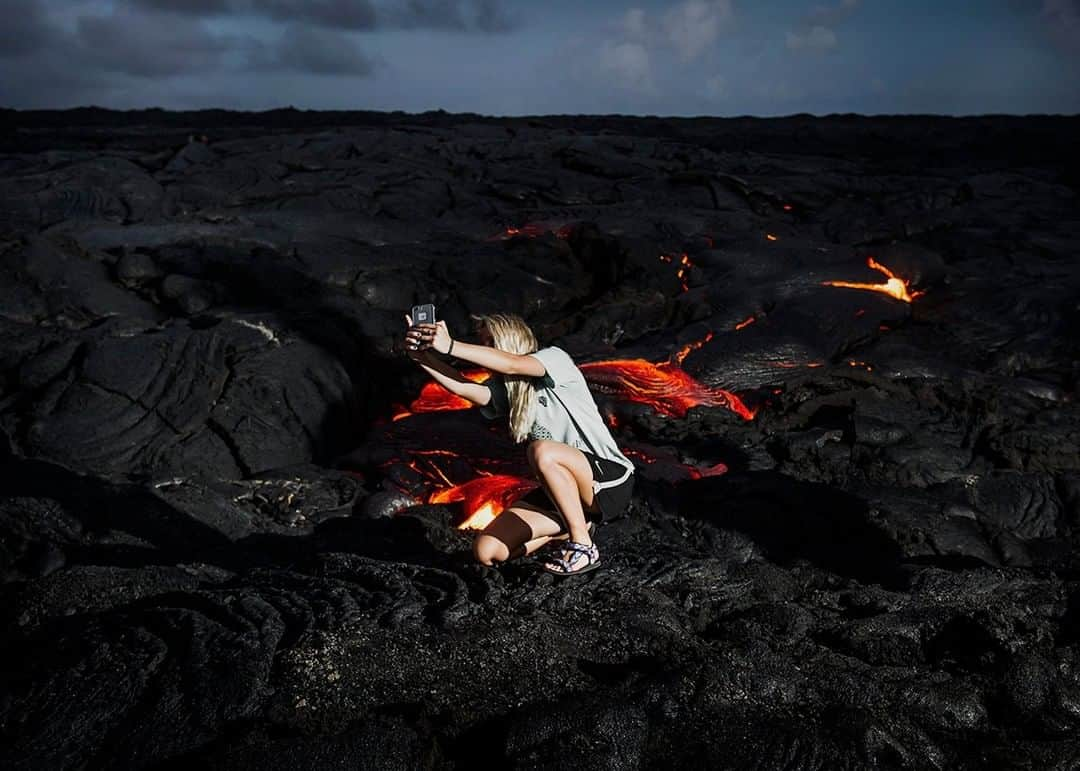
611	499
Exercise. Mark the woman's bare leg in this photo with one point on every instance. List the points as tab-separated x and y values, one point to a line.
566	473
519	530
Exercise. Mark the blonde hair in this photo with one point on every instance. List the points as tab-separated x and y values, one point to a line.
510	333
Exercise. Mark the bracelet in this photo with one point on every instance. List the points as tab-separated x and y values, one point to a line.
451	348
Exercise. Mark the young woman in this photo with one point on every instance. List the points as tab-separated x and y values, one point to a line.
583	474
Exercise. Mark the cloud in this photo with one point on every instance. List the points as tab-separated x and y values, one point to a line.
688	29
815	32
642	47
831	15
629	63
25	28
694	25
317	51
141	45
1062	18
634	25
818	39
716	87
190	7
468	15
132	55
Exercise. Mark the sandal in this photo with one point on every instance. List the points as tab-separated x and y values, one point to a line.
565	535
582	559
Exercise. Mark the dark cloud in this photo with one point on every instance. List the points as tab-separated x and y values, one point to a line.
815	32
490	16
144	45
133	55
190	7
25	27
348	14
478	15
32	83
318	51
831	15
1062	18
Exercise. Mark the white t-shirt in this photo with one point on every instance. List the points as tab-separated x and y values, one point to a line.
551	420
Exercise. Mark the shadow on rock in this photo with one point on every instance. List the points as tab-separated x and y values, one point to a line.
794	520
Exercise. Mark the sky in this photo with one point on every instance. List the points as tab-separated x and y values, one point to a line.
530	57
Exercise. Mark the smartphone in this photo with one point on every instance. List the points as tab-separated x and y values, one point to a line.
423	314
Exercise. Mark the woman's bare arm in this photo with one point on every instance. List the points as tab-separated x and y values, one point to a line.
499	361
437	337
452	380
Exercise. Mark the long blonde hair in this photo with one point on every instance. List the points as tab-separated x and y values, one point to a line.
510	333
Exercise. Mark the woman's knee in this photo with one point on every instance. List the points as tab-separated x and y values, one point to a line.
544	455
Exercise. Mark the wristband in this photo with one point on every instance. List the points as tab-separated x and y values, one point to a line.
451	348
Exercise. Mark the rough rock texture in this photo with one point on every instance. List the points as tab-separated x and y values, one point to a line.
212	537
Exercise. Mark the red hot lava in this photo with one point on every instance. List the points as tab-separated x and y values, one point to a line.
434	398
484	497
684	266
532	230
664	387
894	287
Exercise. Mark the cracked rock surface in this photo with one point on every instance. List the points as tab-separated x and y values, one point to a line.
216	542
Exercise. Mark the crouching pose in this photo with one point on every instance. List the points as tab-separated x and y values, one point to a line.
584	477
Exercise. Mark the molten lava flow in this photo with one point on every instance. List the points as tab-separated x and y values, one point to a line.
693	472
679	355
770	236
684	266
485	497
746	322
434	398
712	471
894	287
529	230
664	387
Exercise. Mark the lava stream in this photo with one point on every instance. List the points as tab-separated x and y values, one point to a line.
894	287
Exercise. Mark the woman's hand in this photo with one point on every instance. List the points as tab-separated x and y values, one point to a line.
442	338
423	337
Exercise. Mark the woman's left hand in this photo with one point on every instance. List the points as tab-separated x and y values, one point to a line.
425	336
442	339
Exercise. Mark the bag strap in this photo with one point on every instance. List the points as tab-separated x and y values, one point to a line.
580	432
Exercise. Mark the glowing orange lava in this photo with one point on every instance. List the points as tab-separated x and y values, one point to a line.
684	265
532	230
746	322
434	398
664	387
770	236
679	355
485	497
894	287
713	471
